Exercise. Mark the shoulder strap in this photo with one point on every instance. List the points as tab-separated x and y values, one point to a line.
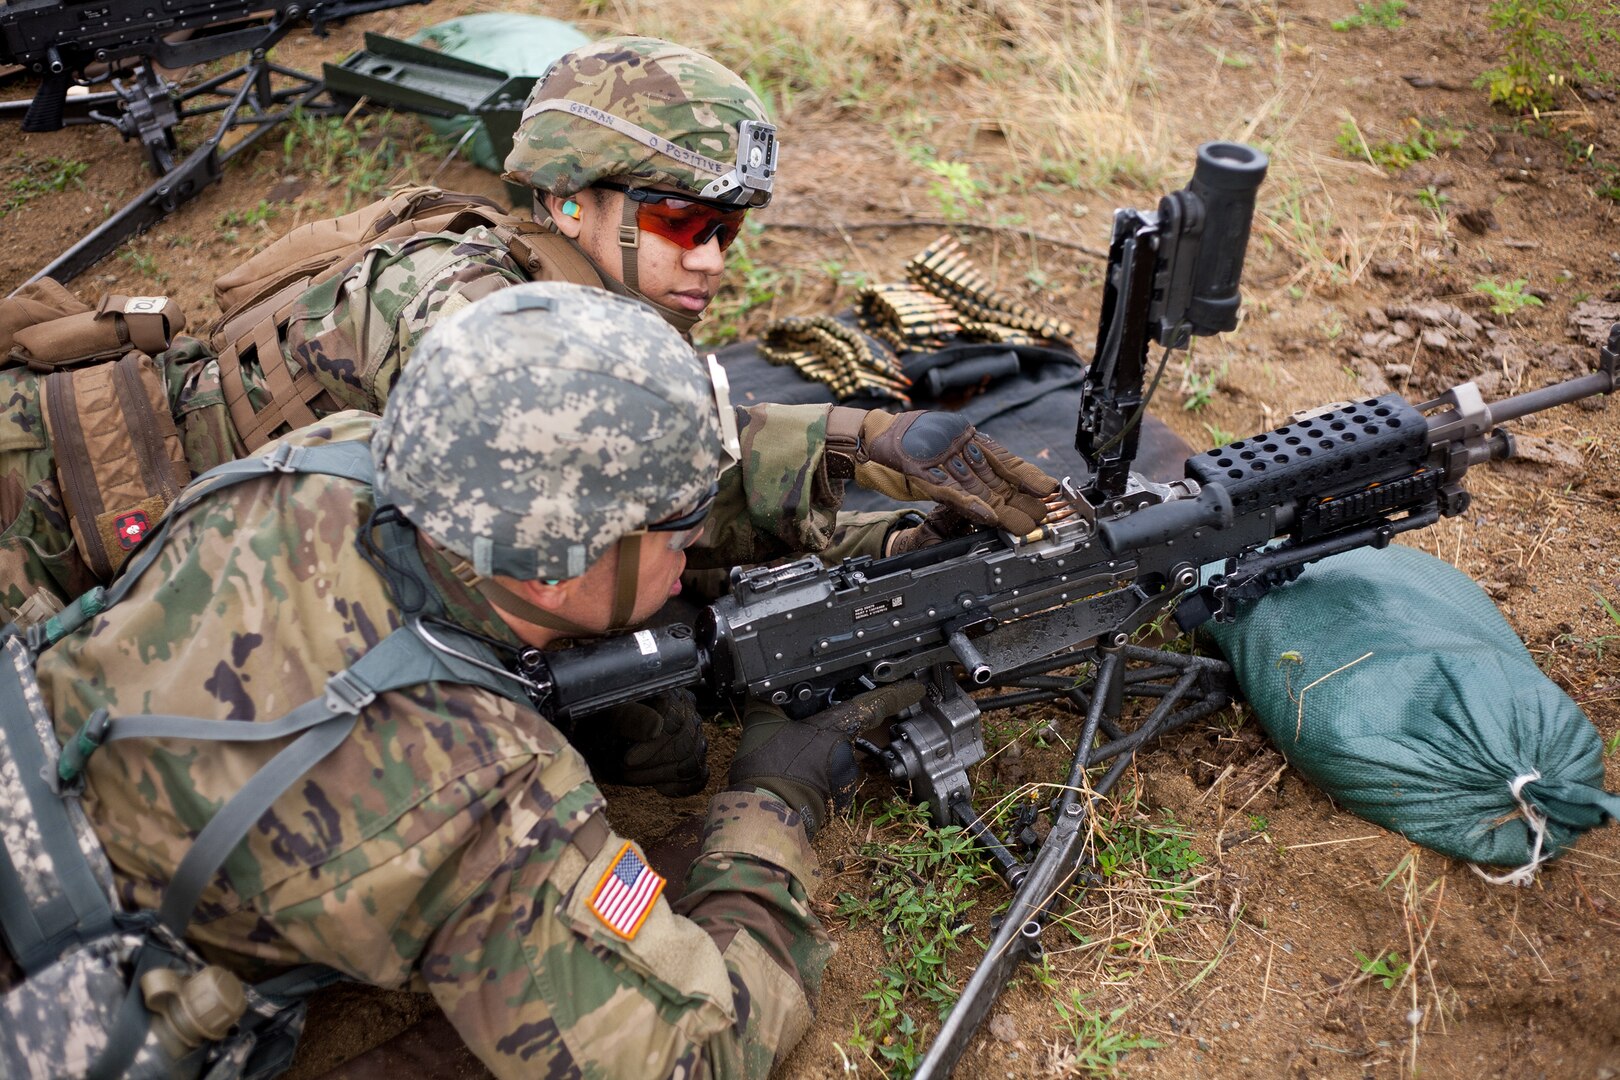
350	460
545	255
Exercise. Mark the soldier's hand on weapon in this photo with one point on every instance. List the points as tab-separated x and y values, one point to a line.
915	531
807	762
938	456
657	743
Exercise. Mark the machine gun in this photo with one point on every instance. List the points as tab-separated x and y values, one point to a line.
79	42
1007	611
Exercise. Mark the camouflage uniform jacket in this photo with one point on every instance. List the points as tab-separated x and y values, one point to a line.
451	843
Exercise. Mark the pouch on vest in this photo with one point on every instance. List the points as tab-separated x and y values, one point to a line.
36	302
118	325
119	460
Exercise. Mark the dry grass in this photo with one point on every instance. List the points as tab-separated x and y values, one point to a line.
1069	89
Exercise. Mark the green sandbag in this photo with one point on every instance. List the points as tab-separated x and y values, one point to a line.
1431	733
506	41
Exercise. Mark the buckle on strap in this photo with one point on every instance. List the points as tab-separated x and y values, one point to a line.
346	693
77	750
281	458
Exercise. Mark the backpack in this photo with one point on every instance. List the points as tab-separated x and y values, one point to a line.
90	456
86	439
108	992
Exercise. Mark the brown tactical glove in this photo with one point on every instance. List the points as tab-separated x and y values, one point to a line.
939	457
915	532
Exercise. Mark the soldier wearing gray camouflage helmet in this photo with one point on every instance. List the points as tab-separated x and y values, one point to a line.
598	427
347	337
551	444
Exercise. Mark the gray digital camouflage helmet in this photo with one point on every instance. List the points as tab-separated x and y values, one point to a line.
536	427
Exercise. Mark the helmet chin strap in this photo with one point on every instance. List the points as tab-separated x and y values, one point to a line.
626	585
629	283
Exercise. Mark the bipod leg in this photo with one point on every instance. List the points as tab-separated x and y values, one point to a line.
1048	875
1170	678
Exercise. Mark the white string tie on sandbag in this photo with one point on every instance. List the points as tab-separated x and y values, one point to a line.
1526	874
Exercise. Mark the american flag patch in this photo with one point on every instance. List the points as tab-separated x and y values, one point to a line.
625	895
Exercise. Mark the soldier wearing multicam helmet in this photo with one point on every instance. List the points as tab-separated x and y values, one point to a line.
538	473
644	156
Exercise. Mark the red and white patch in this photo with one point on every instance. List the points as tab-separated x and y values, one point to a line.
624	897
132	528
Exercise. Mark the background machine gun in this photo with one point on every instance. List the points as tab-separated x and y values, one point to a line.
1008	611
80	42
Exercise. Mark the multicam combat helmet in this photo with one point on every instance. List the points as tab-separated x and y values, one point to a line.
535	428
651	112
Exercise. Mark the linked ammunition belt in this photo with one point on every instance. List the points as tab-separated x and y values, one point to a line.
944	269
828	351
947	300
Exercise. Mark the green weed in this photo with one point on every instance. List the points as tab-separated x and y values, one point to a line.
1201	387
1546	45
1422	144
364	155
1509	298
955	189
1387	968
38	177
1098	1044
1599	645
922	879
1219	436
1433	199
1385	14
1162	851
1608	609
145	264
257	215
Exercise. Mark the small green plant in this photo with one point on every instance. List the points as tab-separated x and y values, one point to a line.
1097	1043
1386	14
841	275
145	264
1546	44
1219	436
1387	968
1599	645
38	177
1509	298
1433	199
920	895
1162	851
364	155
1611	744
1422	144
1258	823
1608	609
1201	387
257	215
956	190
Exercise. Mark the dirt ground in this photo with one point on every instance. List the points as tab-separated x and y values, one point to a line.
1361	290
